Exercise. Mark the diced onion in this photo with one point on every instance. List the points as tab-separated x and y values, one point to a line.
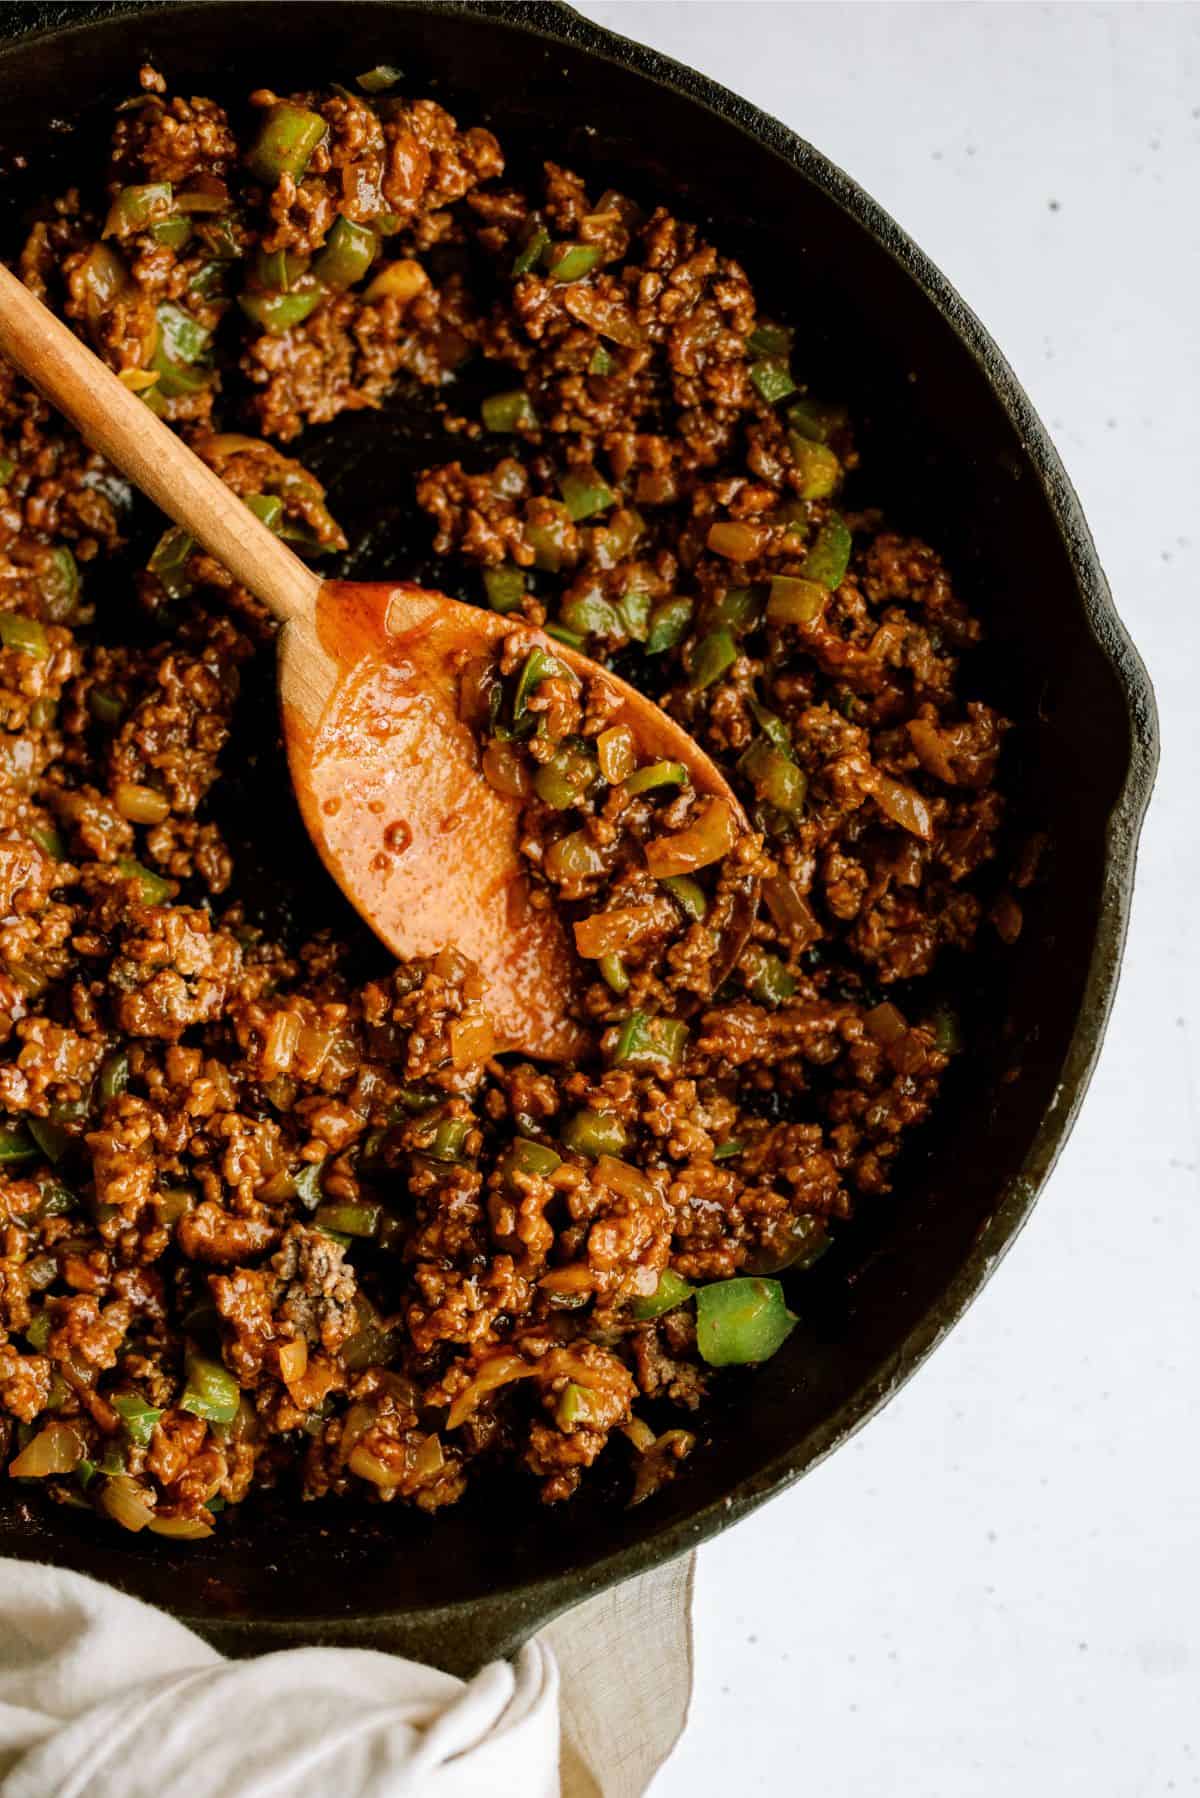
932	752
472	1040
293	1360
197	202
740	542
706	840
282	1038
791	911
369	1467
138	380
615	750
611	932
575	857
314	1046
903	805
885	1023
577	1278
500	1370
629	1181
183	1529
55	1449
398	281
640	1434
140	805
429	1458
123	1500
504	769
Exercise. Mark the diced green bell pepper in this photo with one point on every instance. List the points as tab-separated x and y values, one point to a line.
570	261
138	1417
505	588
772	726
671	1292
26	635
829	557
650	1042
668	625
350	1219
279	270
689	895
169	561
307	1181
633	609
286	140
795	600
772	379
566	778
138	207
114	1076
560	633
539	665
510	411
576	1407
741	1321
774	776
210	1391
770	340
656	774
182	339
591	615
766	977
276	313
155	890
817	467
594	1133
173	233
535	1159
50	1137
448	1139
49	841
59	582
532	251
614	973
268	507
549	537
711	658
16	1144
38	1333
738	609
349	251
810	418
585	494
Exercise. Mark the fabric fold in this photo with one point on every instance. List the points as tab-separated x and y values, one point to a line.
105	1696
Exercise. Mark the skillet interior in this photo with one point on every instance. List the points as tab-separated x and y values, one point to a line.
953	451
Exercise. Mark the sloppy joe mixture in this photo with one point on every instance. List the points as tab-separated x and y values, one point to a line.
265	1222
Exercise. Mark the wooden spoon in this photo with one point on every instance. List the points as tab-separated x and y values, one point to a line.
386	771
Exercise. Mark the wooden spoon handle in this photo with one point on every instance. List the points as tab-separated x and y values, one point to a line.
114	421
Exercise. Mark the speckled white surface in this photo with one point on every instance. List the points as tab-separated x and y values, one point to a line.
995	1589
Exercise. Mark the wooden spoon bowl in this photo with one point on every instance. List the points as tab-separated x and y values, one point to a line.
387	771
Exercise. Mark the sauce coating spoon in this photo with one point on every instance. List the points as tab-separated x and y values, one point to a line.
387	772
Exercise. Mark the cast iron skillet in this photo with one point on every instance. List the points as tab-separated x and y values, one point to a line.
954	450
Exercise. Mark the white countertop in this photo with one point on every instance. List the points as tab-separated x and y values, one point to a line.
995	1589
